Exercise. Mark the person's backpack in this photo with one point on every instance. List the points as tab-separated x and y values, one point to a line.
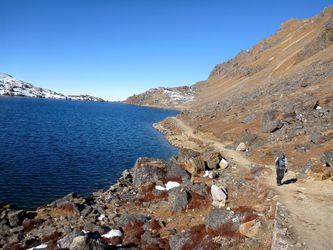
281	162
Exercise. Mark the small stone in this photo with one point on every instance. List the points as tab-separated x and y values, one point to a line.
250	229
241	147
218	194
223	163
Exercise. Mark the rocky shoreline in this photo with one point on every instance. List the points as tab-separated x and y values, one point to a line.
198	198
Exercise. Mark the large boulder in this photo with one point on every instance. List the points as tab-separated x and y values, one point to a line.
64	200
87	242
65	242
320	172
269	121
219	196
192	161
178	199
16	217
328	158
217	218
250	139
148	170
177	173
125	219
149	241
212	159
193	238
316	137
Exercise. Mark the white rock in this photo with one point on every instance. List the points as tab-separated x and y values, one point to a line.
219	204
318	107
206	174
224	163
101	217
42	246
158	187
113	233
218	194
241	147
171	185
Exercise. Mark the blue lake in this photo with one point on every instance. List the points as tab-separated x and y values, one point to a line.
49	148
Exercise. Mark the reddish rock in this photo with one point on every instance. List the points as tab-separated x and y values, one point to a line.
133	232
250	229
194	238
197	201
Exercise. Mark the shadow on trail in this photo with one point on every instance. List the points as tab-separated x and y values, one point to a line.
289	181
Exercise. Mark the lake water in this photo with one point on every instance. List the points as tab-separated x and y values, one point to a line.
49	148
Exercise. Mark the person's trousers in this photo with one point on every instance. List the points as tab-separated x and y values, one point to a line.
279	175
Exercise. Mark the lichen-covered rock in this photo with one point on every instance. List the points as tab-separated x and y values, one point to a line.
67	240
328	158
16	217
218	217
176	173
148	170
87	242
212	159
193	238
269	122
178	199
317	137
191	161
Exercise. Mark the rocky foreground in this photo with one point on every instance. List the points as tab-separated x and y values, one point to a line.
198	199
203	198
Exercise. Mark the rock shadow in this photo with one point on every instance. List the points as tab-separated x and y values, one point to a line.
289	181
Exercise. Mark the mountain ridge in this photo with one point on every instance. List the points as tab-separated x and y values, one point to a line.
163	97
10	86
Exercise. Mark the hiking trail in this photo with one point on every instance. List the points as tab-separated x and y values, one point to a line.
309	203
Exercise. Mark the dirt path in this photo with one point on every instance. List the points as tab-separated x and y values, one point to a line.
309	203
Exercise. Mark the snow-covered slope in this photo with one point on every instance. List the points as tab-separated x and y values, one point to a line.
164	97
12	87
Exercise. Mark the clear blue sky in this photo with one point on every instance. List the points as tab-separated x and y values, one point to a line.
114	48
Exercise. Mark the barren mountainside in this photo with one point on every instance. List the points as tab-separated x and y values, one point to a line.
276	96
177	97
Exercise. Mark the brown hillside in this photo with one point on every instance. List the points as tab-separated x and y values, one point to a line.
289	74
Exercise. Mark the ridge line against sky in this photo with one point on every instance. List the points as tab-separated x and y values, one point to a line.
113	49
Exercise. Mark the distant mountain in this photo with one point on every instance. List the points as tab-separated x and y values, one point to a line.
10	86
177	97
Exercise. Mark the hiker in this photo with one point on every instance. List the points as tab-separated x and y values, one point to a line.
281	167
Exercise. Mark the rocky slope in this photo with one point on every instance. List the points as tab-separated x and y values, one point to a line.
10	86
178	97
156	205
275	96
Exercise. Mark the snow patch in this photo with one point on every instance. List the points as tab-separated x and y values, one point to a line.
158	187
171	185
168	186
42	246
113	233
101	217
